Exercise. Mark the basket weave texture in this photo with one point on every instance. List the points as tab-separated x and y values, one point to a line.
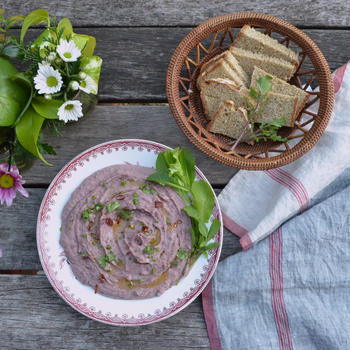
215	36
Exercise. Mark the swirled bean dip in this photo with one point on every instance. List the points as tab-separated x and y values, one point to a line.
124	236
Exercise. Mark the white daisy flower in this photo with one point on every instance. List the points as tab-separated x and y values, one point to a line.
51	56
68	50
88	85
74	85
70	110
48	80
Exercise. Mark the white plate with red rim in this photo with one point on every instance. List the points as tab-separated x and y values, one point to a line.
83	298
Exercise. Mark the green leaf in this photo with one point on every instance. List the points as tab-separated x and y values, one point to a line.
191	212
254	93
27	131
181	254
21	80
85	43
86	214
112	206
46	108
161	164
188	166
203	230
13	96
203	199
10	51
214	228
13	20
210	246
66	25
46	148
264	84
35	17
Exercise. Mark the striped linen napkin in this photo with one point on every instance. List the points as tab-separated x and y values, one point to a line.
291	291
254	204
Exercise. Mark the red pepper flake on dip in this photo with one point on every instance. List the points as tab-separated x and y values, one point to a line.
130	254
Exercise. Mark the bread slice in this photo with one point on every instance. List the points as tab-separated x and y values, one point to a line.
276	107
216	91
231	61
231	122
257	42
248	60
219	69
278	85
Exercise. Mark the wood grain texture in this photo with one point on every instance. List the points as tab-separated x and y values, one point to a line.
135	60
33	316
184	12
18	234
116	122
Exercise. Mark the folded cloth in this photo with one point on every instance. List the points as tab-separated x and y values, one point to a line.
254	204
291	291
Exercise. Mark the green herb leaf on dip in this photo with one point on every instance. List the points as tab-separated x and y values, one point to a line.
102	261
86	214
98	206
181	254
110	256
148	250
112	206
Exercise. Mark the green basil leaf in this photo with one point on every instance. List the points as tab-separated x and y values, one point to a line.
264	84
188	166
191	212
35	17
214	228
46	108
161	164
203	199
210	246
254	93
27	131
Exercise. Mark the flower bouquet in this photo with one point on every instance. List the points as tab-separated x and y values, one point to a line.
59	85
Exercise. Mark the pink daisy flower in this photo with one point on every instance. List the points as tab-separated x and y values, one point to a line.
10	181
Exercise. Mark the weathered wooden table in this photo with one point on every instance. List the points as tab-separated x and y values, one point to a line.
136	41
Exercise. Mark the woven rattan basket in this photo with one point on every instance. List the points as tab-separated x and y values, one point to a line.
212	38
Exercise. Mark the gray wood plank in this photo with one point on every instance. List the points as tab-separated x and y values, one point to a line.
184	12
18	234
116	122
33	316
135	60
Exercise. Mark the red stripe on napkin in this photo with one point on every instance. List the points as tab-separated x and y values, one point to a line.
209	315
338	77
277	300
233	226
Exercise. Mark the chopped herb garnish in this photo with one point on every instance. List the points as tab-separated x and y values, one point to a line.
140	281
93	242
130	284
157	249
102	261
108	246
181	254
148	250
83	255
120	262
135	195
98	206
135	261
86	214
123	183
112	206
132	226
94	198
104	186
174	263
110	256
145	189
125	214
153	271
154	259
136	201
109	270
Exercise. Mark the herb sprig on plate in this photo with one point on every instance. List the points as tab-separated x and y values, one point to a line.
176	168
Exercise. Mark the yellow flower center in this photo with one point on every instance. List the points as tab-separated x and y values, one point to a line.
67	55
51	81
69	107
83	84
6	181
